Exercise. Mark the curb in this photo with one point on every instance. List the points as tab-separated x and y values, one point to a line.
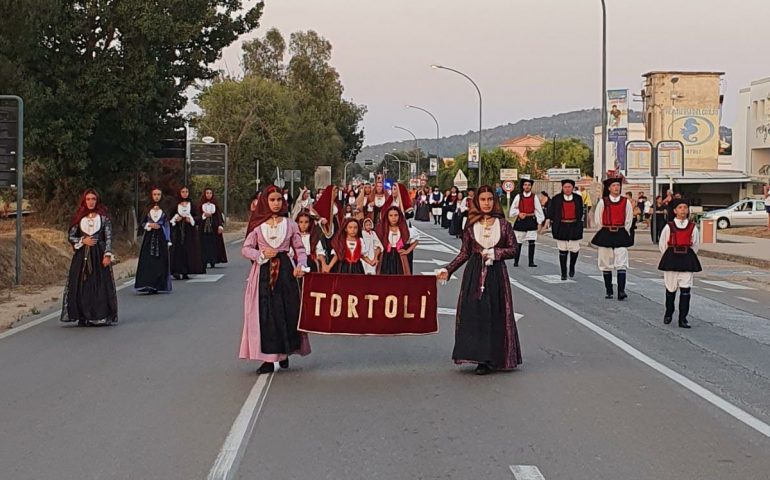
755	262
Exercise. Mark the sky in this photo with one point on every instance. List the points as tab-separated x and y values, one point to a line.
530	58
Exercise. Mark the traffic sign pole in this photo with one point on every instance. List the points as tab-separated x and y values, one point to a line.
19	178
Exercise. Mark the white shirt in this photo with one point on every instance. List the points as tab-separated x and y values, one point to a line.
370	242
274	235
539	215
155	214
487	237
90	226
599	212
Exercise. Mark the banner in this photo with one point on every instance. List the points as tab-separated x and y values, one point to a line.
342	304
433	166
617	112
473	155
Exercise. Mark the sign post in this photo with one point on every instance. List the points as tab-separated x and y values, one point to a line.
559	174
210	159
12	145
461	181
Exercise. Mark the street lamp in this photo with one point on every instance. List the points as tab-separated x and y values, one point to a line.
345	173
438	155
604	91
398	162
416	147
480	106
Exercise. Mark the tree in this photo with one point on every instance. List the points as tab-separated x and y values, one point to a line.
491	163
571	152
265	57
105	81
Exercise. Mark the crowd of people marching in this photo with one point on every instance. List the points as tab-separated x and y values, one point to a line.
367	231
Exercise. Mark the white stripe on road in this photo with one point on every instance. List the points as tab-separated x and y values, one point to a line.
52	315
226	465
747	299
727	285
526	472
206	278
713	290
717	401
452	311
236	242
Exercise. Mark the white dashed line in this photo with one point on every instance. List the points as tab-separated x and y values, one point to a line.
526	472
750	300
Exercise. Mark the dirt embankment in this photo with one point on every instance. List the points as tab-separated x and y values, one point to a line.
758	232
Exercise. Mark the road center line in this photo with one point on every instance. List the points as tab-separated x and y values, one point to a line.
226	465
526	472
705	394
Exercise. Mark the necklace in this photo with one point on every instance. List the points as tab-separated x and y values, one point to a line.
272	227
487	232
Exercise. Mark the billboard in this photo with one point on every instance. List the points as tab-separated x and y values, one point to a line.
473	155
617	112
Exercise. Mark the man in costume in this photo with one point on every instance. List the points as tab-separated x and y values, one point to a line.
614	215
679	243
565	212
529	215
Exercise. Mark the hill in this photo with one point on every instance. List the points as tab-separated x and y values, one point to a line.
577	124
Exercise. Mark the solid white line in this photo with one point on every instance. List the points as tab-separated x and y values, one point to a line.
236	242
750	300
226	465
526	472
52	315
715	290
707	395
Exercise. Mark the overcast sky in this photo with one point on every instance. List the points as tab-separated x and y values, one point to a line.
530	58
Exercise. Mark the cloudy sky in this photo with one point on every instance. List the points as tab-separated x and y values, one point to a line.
530	58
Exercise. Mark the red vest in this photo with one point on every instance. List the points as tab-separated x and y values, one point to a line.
355	255
614	214
568	211
680	237
527	204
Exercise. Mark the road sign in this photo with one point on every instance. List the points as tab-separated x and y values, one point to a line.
209	152
461	181
509	174
413	168
292	175
9	142
203	167
639	154
208	139
368	162
563	174
670	154
508	186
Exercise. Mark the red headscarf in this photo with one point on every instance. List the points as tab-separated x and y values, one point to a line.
383	228
340	242
263	213
324	207
474	211
83	210
404	201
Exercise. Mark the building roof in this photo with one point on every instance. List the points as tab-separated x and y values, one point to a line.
680	72
761	81
520	138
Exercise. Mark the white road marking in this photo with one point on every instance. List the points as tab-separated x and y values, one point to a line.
226	465
52	315
552	279
715	400
433	261
750	300
453	277
526	472
434	247
614	279
727	285
206	278
452	311
236	242
713	290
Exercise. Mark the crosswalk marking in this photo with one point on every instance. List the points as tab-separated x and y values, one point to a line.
452	311
747	299
715	290
552	279
727	285
206	278
433	247
526	472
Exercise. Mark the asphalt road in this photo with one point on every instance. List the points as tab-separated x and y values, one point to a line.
598	395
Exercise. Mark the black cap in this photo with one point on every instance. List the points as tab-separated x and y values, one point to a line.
612	180
526	180
679	201
568	180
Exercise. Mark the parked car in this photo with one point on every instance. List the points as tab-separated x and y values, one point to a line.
745	213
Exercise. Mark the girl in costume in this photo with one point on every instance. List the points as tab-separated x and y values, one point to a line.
372	247
347	251
153	273
423	205
186	256
212	230
456	226
376	202
306	226
398	245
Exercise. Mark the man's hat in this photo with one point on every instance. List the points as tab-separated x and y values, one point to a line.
679	201
525	180
612	180
568	180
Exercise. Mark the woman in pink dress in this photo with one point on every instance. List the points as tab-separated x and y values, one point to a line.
272	300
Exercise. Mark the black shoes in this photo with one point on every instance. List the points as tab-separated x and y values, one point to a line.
573	256
531	253
608	284
683	323
266	367
284	363
667	320
622	295
483	369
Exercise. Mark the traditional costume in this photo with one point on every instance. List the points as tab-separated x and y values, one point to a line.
303	203
90	297
486	331
436	199
448	209
423	206
398	251
362	203
566	215
614	216
661	219
372	247
329	214
376	202
399	198
272	298
679	242
309	241
525	228
347	252
212	229
459	217
186	258
153	271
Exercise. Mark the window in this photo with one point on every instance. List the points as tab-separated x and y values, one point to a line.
745	207
759	206
757	113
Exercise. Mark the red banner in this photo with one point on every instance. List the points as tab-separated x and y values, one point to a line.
341	304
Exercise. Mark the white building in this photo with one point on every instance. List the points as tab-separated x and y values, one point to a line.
635	132
751	135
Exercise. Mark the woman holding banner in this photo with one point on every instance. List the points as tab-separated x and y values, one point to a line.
272	300
486	329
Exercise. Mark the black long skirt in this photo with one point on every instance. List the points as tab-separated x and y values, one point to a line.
456	225
152	272
90	297
486	329
348	267
186	250
213	248
279	308
423	213
445	222
390	263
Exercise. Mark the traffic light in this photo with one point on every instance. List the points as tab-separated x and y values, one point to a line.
9	143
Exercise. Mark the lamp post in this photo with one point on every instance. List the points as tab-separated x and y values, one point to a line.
438	155
345	173
480	106
604	92
416	147
398	162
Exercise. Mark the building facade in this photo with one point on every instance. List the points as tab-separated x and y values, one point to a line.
523	145
751	134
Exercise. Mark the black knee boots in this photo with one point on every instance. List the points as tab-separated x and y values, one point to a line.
608	284
517	256
684	307
573	256
563	264
622	285
532	253
670	299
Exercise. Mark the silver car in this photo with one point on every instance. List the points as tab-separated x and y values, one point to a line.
745	213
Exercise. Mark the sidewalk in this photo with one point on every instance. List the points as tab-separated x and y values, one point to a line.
732	248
